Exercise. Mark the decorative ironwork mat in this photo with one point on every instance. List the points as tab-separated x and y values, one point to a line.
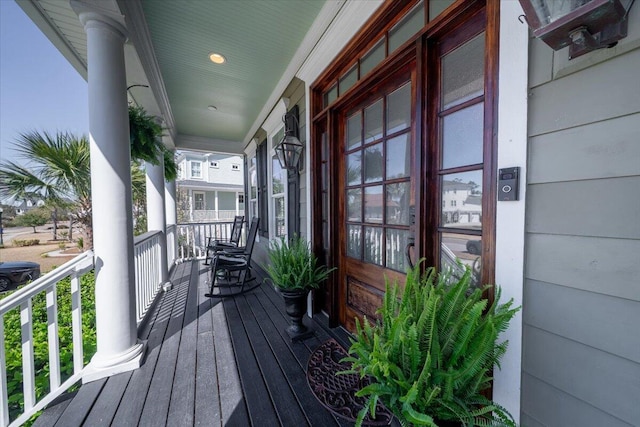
337	392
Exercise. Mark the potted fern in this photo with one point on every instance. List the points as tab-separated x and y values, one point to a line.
431	356
294	270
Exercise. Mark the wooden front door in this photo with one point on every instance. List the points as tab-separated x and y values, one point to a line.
377	194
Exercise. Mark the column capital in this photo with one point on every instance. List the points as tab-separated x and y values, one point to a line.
92	15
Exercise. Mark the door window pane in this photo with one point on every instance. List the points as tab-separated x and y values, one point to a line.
354	131
354	205
373	204
373	122
462	136
407	27
372	58
399	157
396	244
461	251
398	203
373	163
354	171
373	237
354	241
463	73
462	200
399	109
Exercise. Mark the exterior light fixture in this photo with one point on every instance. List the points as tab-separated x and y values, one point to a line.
583	25
212	108
290	148
216	58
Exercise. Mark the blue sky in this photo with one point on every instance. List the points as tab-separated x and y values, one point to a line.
39	89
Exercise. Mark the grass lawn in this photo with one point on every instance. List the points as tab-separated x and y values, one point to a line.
37	253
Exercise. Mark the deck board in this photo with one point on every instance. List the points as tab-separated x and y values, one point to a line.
209	362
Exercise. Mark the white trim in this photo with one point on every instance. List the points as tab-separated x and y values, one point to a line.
273	122
198	143
510	216
307	157
347	23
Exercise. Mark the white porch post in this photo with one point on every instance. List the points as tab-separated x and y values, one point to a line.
170	202
215	204
156	217
190	193
237	204
118	347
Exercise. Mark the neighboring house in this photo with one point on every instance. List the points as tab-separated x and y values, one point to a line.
441	95
214	185
27	205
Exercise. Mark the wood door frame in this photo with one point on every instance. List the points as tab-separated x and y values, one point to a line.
418	47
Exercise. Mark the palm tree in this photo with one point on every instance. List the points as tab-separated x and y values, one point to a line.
59	170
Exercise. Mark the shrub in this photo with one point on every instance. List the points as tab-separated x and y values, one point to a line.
432	355
40	340
80	243
30	242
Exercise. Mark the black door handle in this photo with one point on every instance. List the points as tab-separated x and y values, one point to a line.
407	252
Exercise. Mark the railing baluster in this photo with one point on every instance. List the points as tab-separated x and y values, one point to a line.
28	369
76	323
52	335
4	397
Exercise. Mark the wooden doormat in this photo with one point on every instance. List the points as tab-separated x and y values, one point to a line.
337	392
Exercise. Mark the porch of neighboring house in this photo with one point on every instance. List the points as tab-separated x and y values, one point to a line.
208	362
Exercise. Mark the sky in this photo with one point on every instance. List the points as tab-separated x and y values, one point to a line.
39	89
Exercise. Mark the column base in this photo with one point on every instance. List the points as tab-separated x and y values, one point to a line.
127	361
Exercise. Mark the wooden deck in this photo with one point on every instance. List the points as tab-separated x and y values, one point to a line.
208	362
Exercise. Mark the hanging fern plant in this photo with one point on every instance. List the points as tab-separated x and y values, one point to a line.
432	355
145	136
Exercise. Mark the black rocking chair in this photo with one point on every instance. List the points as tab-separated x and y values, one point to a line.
235	260
215	245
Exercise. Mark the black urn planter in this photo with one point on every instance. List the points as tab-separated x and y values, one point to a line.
295	304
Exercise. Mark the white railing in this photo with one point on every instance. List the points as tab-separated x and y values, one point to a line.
172	245
193	237
23	301
148	258
205	215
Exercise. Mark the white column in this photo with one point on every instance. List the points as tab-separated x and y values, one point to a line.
118	347
171	218
170	202
190	195
215	204
237	204
156	217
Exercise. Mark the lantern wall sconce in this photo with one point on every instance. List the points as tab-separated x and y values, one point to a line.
290	148
583	25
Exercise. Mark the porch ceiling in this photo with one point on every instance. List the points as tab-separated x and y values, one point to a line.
259	39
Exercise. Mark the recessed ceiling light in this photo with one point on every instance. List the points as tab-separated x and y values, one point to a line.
217	58
212	108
